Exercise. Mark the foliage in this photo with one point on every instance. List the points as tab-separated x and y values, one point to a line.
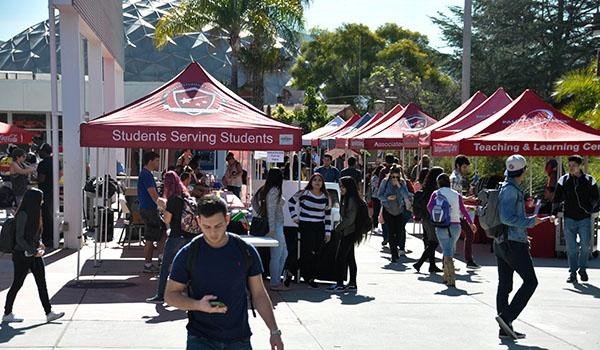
579	93
269	18
313	116
391	64
521	44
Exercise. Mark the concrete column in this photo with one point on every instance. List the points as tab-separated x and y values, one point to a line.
73	110
119	102
96	93
110	104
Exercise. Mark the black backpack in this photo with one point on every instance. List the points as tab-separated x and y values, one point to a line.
7	236
193	255
363	222
420	205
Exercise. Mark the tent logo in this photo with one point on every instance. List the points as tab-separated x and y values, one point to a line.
286	139
544	114
193	99
415	122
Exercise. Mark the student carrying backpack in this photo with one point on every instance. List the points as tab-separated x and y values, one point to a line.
7	236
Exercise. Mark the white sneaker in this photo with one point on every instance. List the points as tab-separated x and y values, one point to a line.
11	318
53	316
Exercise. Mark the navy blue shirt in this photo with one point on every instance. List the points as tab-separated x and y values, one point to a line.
221	272
330	174
146	181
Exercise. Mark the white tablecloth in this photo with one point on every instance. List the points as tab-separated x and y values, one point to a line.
260	241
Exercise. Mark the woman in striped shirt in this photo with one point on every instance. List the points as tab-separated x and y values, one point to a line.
310	209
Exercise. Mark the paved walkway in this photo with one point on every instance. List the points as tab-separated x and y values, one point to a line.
395	308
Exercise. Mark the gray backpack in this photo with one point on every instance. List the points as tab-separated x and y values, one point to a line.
488	211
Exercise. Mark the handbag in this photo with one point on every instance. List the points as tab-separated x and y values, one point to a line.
259	226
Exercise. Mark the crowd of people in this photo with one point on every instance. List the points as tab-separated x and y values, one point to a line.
180	221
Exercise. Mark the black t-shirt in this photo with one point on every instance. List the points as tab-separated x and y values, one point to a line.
45	168
353	173
175	207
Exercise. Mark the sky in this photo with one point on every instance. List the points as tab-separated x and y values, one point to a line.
16	16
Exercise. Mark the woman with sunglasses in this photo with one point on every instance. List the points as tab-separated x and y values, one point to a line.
311	210
393	195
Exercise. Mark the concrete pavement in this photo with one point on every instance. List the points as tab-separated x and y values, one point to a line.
394	308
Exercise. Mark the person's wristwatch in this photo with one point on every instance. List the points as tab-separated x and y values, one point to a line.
276	333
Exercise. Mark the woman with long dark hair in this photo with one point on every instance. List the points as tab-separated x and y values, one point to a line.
375	181
177	194
27	255
270	203
19	174
393	194
429	236
311	210
346	229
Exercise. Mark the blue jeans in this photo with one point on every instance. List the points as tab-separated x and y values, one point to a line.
448	238
578	257
172	246
278	256
200	343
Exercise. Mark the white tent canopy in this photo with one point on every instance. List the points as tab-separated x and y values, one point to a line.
332	125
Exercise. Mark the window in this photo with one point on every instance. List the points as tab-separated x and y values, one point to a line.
32	122
3	117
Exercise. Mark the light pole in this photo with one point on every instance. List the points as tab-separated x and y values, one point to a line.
595	28
466	54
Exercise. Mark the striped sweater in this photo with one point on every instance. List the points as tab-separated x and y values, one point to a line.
307	207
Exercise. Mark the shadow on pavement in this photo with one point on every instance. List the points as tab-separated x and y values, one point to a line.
585	289
165	315
301	293
8	332
350	298
511	345
456	292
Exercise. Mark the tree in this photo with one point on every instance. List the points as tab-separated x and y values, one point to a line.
579	93
313	116
269	17
521	44
392	64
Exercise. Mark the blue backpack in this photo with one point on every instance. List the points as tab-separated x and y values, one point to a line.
440	212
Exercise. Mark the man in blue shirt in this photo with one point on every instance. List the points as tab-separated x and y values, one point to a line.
221	273
149	201
512	248
329	172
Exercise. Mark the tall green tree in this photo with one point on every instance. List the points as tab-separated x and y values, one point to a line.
313	116
269	17
521	44
578	93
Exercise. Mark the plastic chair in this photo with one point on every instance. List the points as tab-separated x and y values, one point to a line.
129	224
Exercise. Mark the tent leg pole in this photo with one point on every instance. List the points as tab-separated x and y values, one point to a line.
530	177
403	155
108	205
96	209
365	174
299	238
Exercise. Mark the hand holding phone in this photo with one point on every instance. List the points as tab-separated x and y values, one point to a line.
211	305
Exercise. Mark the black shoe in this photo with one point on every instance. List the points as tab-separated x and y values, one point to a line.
434	269
287	280
417	266
313	284
351	288
584	275
384	242
572	278
394	260
503	335
472	265
156	300
506	327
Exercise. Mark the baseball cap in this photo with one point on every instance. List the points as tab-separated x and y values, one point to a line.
514	164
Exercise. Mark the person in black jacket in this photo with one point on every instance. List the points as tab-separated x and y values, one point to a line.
420	208
27	255
579	193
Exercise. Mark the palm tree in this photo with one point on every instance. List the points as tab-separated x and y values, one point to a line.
272	17
579	93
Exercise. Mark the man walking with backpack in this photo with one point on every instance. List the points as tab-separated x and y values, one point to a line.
215	269
511	247
579	193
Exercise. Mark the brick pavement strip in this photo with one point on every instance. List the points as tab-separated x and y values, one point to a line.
394	308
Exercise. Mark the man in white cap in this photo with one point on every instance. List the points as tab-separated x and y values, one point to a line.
512	248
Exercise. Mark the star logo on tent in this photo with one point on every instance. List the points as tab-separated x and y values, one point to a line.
193	99
414	122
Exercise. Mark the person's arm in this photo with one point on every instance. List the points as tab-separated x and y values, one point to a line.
347	219
20	223
381	192
15	169
464	210
170	209
328	223
174	296
263	305
508	212
239	170
293	203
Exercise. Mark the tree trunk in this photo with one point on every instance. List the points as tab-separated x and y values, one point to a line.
258	89
235	52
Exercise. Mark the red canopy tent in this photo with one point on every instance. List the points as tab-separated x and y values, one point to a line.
422	138
354	140
388	135
498	100
348	124
13	134
342	141
192	110
539	133
528	104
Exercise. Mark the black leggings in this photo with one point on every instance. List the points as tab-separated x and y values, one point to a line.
430	243
345	259
312	235
376	210
22	266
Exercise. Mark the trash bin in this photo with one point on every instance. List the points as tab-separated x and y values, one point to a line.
109	229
